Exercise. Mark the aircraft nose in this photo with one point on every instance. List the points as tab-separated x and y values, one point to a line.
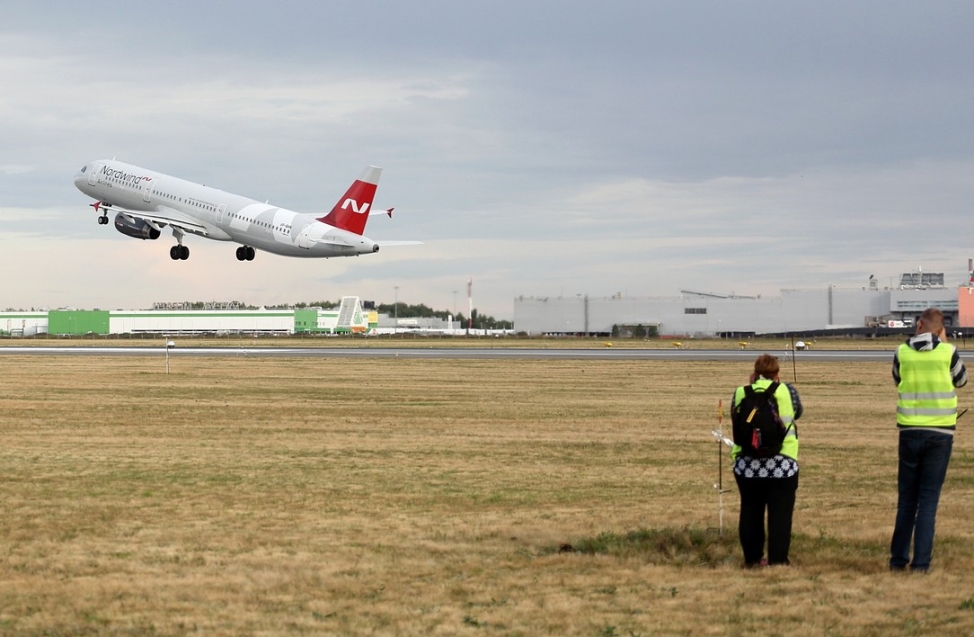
80	176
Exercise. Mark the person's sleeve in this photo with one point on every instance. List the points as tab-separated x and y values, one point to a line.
796	401
896	368
958	372
735	450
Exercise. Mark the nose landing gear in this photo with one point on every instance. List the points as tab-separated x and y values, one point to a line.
245	253
102	217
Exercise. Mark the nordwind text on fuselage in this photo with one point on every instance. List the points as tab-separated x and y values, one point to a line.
123	176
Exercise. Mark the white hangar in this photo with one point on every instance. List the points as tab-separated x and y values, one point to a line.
704	314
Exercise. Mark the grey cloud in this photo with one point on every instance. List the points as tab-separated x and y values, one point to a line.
533	145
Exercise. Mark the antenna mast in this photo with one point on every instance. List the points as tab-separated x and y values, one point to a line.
469	303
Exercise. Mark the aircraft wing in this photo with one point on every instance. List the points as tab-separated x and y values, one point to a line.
167	217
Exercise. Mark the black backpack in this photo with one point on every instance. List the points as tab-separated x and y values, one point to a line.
758	429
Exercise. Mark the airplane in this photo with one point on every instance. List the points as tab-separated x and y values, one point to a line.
145	202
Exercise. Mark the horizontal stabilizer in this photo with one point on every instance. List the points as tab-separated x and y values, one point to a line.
334	243
398	243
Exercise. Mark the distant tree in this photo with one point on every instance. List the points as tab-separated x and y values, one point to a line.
327	305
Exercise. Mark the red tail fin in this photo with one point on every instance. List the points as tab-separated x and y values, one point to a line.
352	210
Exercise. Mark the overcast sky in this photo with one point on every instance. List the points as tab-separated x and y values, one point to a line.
541	148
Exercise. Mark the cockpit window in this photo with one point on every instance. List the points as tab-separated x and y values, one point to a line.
84	168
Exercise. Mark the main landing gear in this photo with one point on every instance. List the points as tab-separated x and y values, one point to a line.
178	252
245	253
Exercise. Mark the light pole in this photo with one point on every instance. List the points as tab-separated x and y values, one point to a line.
395	327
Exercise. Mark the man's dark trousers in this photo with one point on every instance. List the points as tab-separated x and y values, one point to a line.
924	455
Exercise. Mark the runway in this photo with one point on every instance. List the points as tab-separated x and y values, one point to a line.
459	353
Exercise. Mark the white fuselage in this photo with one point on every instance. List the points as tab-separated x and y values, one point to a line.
215	214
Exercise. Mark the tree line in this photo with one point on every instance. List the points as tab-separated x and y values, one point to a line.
420	310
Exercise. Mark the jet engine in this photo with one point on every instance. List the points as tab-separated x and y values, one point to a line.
138	228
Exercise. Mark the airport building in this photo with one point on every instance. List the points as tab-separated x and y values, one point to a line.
178	318
704	314
23	323
864	310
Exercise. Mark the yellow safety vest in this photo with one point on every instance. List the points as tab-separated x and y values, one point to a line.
789	447
927	395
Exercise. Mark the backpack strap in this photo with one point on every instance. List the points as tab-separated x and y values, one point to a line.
769	392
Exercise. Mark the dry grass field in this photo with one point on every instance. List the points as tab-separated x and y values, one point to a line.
247	496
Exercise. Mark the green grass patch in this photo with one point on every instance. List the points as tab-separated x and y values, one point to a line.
687	546
674	546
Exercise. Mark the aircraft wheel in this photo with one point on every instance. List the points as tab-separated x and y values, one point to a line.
241	255
174	253
251	253
103	220
183	252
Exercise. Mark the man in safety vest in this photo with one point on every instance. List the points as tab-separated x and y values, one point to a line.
926	370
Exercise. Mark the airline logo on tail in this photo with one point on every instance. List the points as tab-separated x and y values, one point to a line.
355	207
351	211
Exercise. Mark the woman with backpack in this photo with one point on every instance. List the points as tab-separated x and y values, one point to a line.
765	456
